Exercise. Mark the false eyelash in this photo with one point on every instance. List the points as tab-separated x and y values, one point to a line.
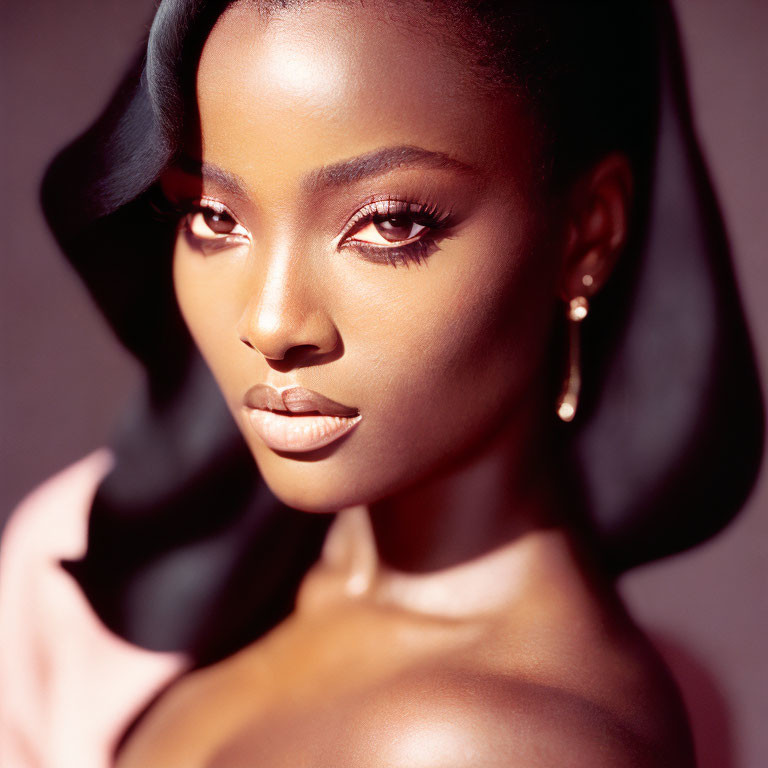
170	211
173	212
178	213
428	215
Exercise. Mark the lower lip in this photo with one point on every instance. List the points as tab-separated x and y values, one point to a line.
299	433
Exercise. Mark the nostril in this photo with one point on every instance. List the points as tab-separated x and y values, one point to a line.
278	354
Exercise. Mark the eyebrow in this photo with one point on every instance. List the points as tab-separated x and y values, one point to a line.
349	171
229	182
381	161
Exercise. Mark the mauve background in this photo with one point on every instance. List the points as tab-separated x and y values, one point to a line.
65	380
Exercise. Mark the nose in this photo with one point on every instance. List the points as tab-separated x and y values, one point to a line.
285	317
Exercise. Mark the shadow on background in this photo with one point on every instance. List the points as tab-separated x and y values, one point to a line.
706	705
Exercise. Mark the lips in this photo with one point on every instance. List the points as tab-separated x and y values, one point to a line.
295	400
297	419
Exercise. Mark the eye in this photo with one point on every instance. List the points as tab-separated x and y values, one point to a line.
385	230
391	224
212	220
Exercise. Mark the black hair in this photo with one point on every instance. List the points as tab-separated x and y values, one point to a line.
187	548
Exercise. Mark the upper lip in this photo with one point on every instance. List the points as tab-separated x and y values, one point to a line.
295	400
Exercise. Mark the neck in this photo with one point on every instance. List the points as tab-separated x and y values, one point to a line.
463	542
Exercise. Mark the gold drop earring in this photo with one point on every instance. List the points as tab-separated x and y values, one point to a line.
569	397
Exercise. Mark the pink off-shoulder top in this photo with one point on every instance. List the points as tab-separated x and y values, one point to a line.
68	686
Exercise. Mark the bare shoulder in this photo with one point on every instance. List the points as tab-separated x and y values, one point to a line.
444	718
587	692
565	679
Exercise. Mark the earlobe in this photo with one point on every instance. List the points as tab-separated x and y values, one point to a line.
599	204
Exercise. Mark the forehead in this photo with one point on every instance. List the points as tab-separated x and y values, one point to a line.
312	84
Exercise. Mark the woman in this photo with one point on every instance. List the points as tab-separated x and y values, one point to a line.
405	246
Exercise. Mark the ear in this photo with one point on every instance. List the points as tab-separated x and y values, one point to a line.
598	220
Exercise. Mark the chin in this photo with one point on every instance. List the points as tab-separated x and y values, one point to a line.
309	500
311	483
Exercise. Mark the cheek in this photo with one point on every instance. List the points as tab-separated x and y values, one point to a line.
204	295
443	359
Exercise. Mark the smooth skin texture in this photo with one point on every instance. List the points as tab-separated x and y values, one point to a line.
451	620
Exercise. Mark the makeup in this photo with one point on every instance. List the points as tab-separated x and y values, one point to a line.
297	419
396	232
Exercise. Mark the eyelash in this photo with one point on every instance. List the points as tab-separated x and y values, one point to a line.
428	215
181	213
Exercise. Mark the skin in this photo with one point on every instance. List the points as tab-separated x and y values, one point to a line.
451	620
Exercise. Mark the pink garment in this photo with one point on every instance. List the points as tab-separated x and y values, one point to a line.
68	686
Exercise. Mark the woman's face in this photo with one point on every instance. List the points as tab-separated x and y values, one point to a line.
367	224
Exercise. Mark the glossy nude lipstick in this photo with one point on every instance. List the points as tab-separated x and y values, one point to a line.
297	419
